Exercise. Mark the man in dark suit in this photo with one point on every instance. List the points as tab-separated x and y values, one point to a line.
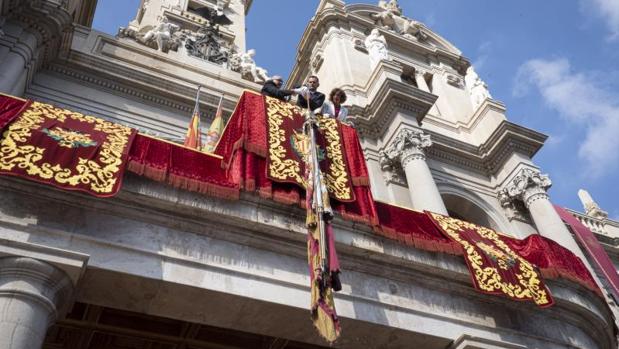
272	88
316	98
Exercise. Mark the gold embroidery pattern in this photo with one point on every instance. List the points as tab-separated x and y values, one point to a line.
280	167
69	138
99	175
337	176
488	278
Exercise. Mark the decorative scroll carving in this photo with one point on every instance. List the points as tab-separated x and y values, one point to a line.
408	145
528	185
455	81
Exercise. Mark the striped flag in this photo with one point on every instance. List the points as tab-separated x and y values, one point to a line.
217	127
193	139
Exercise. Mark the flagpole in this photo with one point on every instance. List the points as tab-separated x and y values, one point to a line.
196	111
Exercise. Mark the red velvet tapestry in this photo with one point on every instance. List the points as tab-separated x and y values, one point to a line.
243	147
495	267
181	167
287	143
64	148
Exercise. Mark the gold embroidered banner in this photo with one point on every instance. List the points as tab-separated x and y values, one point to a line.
287	144
66	149
494	266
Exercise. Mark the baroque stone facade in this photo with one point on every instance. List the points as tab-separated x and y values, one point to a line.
156	267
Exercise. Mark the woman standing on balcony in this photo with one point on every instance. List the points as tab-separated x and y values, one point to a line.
333	107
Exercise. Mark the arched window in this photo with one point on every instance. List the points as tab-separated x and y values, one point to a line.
461	208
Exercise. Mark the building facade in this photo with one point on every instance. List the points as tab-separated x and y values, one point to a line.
158	267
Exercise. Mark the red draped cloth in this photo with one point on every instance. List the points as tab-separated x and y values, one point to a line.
494	266
244	149
62	148
553	260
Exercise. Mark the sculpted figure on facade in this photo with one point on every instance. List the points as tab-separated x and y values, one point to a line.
162	35
592	209
391	18
376	44
478	89
244	63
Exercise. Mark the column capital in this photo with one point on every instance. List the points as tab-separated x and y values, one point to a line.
408	145
527	185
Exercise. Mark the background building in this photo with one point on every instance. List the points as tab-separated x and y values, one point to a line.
157	267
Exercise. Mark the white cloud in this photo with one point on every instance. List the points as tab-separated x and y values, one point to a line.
483	53
609	10
579	101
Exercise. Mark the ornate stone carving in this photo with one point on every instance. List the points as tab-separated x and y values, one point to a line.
391	18
377	47
209	45
478	89
455	81
408	145
165	36
244	63
360	45
528	185
317	62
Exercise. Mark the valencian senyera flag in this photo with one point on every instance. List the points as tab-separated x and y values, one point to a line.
193	139
216	128
322	259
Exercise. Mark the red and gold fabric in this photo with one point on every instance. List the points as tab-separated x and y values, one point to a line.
63	148
287	143
495	267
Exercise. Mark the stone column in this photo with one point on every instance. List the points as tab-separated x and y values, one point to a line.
530	186
18	51
32	295
407	151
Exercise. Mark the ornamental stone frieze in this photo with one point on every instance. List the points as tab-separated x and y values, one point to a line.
528	186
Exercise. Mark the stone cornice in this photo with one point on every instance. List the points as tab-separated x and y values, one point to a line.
489	157
386	100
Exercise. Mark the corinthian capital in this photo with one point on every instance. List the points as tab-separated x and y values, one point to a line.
407	145
528	185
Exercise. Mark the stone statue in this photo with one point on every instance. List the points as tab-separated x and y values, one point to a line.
391	18
478	90
391	6
376	45
161	34
245	64
591	207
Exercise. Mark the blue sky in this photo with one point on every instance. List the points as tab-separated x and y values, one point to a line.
552	62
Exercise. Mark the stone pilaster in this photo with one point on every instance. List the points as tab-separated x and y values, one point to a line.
33	32
530	187
407	151
32	295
